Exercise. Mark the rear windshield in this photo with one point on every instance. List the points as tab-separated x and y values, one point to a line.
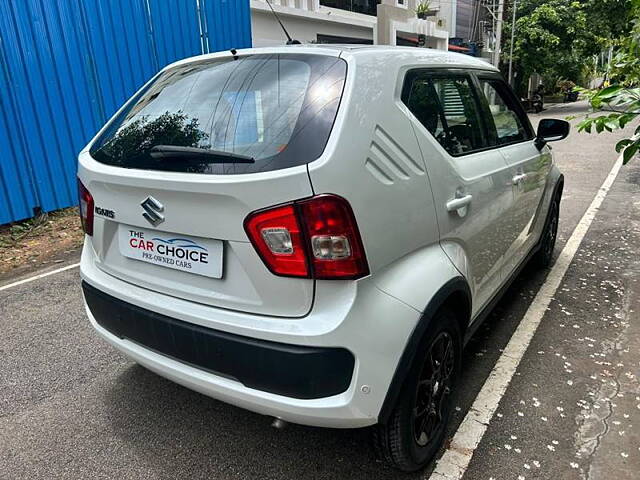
257	113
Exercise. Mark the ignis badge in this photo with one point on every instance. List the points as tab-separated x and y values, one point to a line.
104	212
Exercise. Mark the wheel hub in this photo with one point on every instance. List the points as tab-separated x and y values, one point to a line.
552	232
433	389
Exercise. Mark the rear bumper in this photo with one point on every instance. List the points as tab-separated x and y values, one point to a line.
290	370
363	330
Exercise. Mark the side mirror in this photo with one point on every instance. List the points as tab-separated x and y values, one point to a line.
551	130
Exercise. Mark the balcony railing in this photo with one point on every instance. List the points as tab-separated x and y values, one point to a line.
368	7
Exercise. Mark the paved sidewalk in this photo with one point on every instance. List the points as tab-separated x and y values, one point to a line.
573	408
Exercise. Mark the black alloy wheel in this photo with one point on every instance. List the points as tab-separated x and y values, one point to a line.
416	427
434	388
544	256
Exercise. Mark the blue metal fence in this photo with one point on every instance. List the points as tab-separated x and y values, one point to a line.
67	65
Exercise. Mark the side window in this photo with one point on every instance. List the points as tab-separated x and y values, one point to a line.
447	108
505	123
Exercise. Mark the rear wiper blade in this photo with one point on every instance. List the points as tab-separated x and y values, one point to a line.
172	152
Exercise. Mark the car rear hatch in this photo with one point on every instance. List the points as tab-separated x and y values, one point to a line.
174	175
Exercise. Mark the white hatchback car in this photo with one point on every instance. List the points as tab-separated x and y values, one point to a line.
314	232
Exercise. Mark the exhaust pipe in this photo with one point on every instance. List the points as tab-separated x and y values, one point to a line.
278	423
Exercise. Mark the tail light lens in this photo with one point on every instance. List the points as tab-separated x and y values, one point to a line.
335	245
86	208
312	238
276	235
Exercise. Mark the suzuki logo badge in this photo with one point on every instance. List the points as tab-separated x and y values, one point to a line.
152	209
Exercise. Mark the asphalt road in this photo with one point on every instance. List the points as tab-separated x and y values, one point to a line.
71	407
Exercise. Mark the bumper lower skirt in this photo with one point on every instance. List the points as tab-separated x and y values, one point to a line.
294	371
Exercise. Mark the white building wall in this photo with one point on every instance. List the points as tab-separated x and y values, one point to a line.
303	26
446	10
305	19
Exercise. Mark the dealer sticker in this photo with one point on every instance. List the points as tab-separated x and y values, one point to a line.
201	256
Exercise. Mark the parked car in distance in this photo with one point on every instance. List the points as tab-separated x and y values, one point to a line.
314	232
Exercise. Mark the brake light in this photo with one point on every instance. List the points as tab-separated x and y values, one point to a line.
86	208
316	237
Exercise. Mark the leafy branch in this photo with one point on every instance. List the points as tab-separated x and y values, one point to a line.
619	104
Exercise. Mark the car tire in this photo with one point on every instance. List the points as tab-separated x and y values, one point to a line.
544	256
416	428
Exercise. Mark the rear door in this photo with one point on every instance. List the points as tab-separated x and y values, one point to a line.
470	181
175	174
510	130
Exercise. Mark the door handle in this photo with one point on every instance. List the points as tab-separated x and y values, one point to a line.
458	203
518	179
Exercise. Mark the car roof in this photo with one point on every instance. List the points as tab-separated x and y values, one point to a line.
429	56
364	54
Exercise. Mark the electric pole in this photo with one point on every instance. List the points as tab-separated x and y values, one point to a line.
513	34
496	53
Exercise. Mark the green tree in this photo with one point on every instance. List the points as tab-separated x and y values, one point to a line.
137	138
618	104
558	38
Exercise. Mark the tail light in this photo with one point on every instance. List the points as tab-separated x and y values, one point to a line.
313	238
86	208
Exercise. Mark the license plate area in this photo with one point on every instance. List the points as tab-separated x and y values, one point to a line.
200	256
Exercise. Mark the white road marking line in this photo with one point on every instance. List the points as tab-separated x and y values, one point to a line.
454	462
37	277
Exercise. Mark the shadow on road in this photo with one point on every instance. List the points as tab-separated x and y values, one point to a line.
560	110
174	430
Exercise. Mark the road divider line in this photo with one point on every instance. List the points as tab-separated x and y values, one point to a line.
454	462
38	277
